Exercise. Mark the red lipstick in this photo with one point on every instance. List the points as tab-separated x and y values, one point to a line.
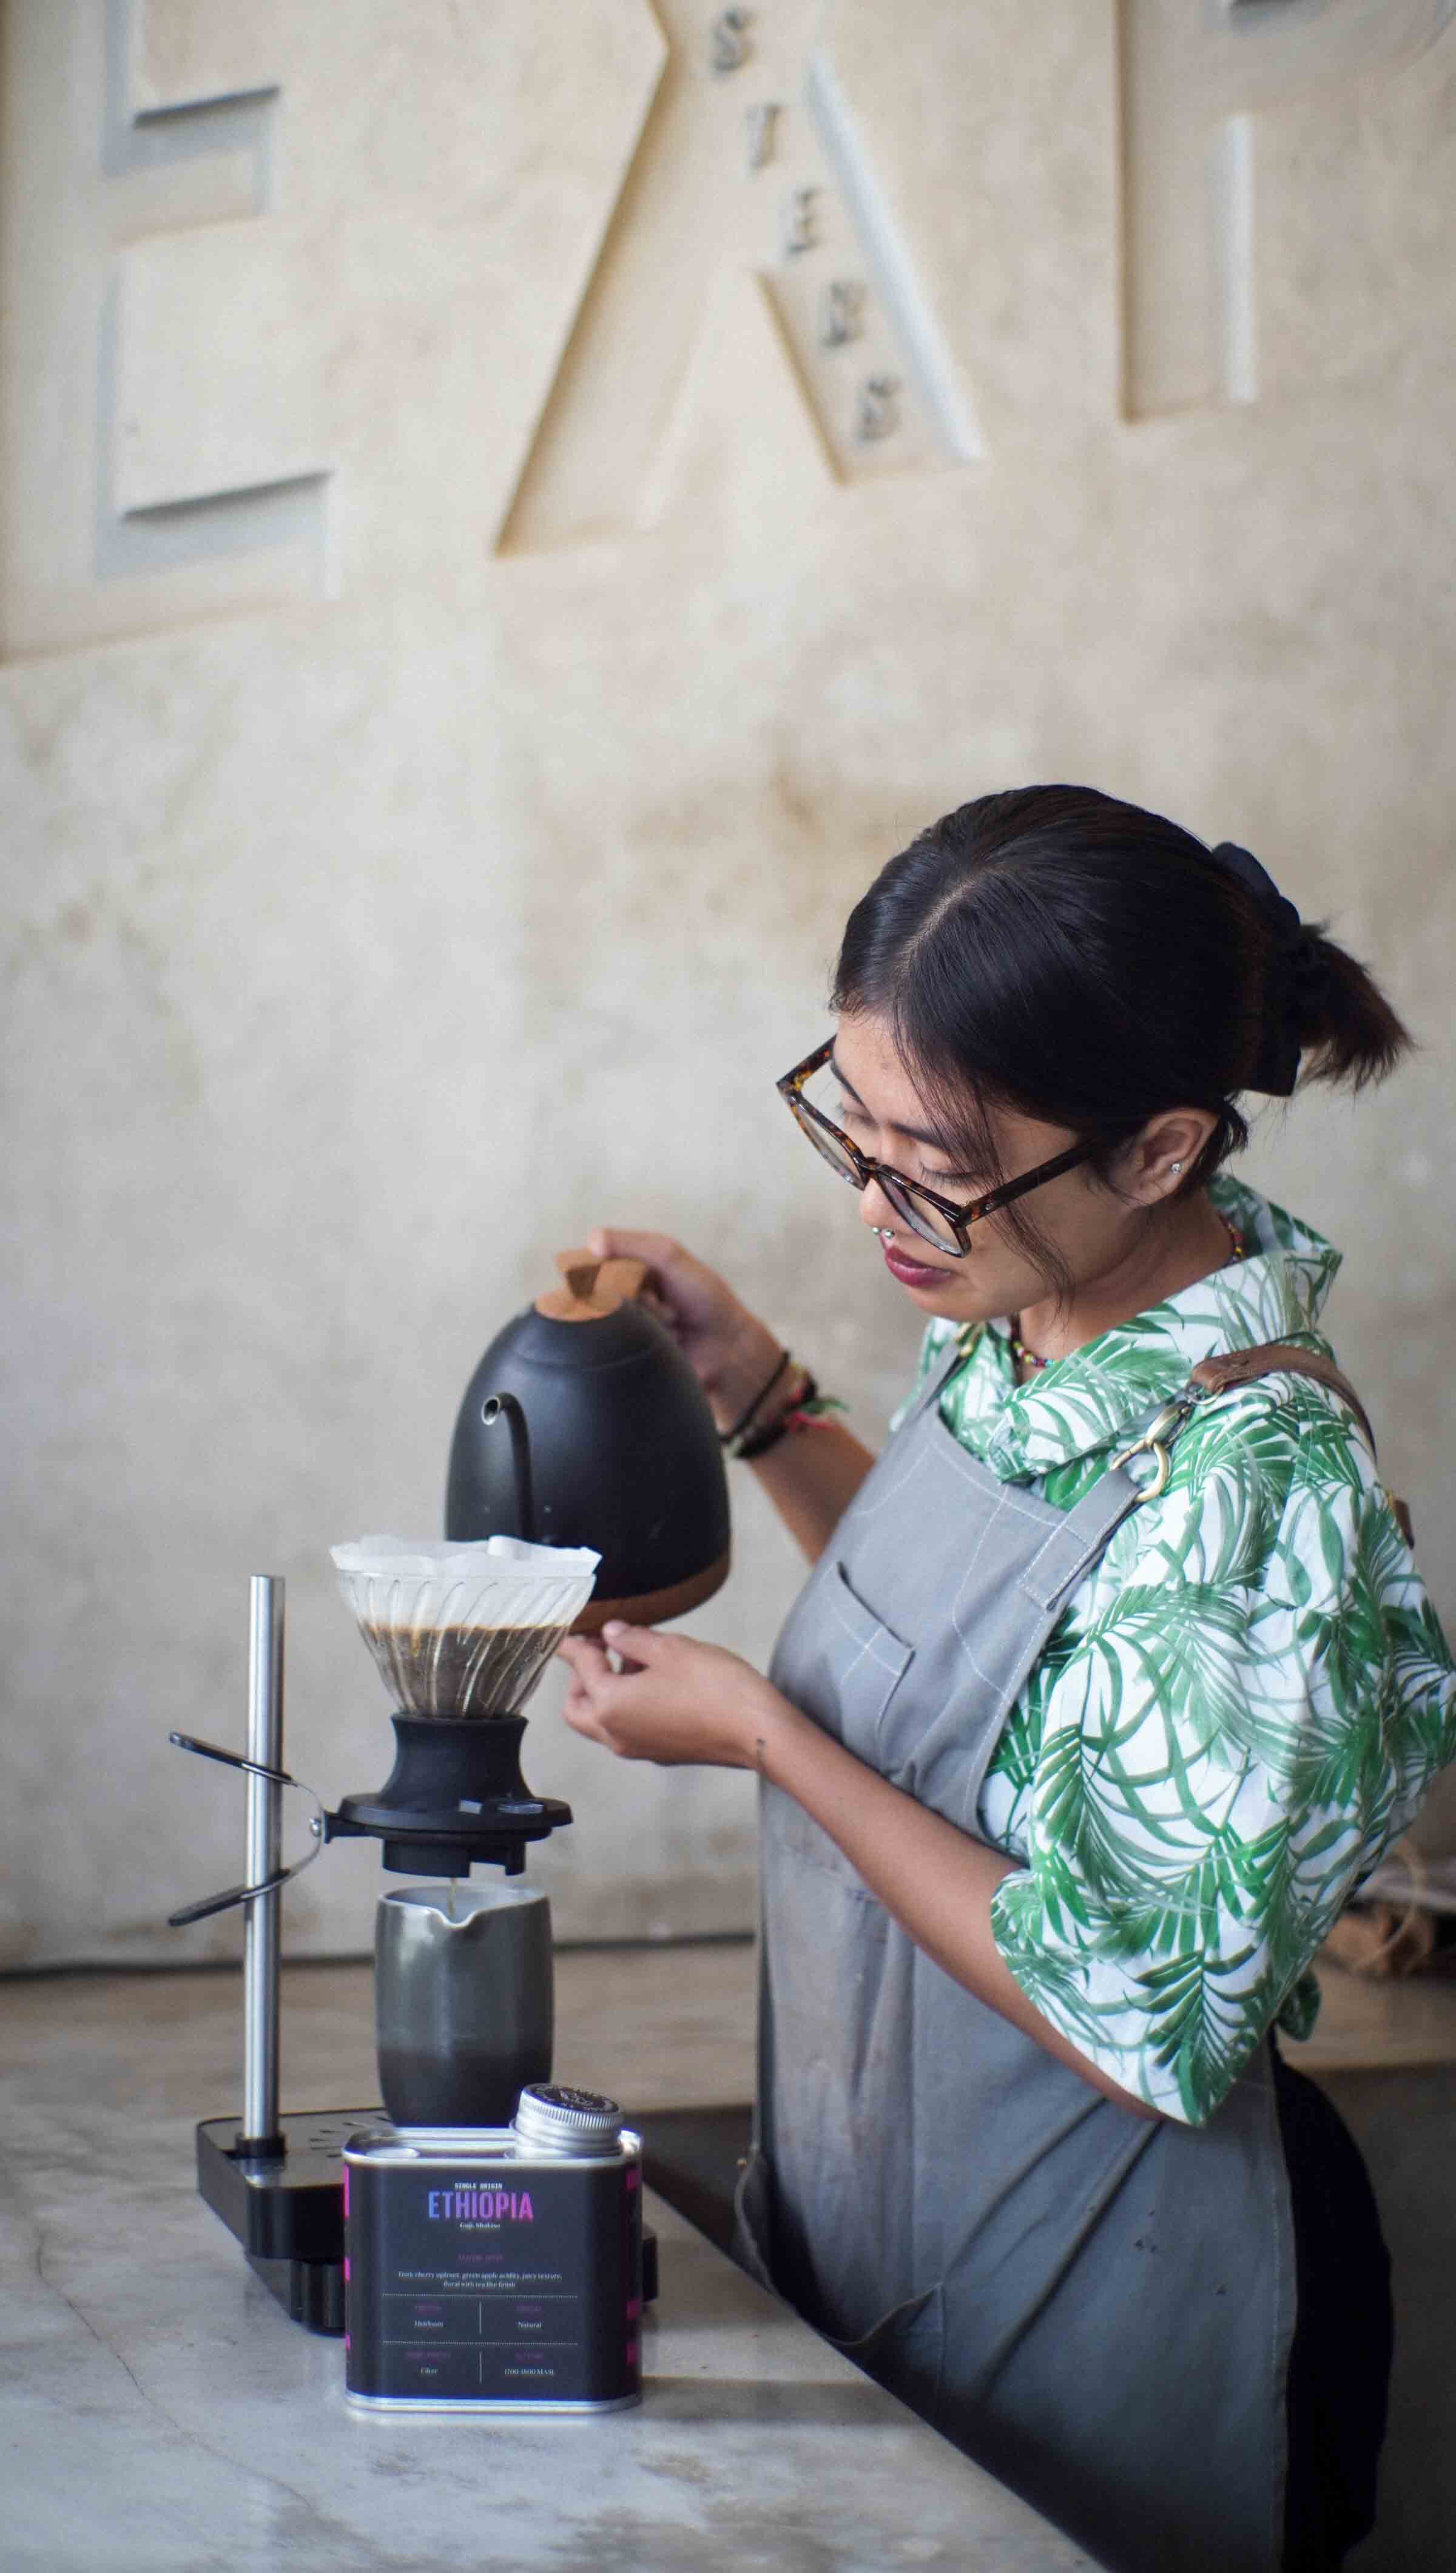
910	1272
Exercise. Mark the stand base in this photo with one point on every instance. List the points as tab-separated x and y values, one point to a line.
311	2292
287	2208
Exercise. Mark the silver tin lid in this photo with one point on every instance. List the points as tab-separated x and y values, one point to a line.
553	2118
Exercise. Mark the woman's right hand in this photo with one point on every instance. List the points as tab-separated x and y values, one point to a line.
731	1353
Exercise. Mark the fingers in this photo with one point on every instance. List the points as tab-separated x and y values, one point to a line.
638	1647
591	1674
582	1717
611	1241
587	1657
600	1664
607	1678
590	1714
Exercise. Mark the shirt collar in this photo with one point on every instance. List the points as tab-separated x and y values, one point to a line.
1084	1403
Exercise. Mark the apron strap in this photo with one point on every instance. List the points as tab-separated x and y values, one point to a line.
1220	1374
962	1344
1279	1357
1079	1539
1090	1524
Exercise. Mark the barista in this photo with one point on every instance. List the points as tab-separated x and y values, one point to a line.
1072	1749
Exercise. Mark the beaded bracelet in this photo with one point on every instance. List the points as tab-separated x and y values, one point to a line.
728	1437
811	1405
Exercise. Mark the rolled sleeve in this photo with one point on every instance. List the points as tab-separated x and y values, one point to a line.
1233	1724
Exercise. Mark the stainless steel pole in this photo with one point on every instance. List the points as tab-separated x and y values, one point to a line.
265	1842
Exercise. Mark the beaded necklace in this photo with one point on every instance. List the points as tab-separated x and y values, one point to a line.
1023	1356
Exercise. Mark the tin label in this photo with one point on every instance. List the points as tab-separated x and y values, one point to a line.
513	2281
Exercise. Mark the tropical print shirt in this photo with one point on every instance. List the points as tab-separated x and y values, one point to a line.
1238	1709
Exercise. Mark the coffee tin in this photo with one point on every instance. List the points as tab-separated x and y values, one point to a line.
490	2270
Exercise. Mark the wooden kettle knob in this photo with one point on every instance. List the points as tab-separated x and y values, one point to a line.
593	1288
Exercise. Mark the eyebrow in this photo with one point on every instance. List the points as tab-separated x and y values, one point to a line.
917	1134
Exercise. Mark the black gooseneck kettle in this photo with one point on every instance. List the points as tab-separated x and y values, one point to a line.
610	1445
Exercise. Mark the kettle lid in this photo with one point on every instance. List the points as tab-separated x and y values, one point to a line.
592	1288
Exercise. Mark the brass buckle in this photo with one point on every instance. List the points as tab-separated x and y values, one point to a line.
1152	1441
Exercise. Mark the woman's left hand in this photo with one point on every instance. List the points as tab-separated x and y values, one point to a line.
672	1701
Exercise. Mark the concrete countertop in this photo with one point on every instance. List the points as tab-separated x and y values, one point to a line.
162	2415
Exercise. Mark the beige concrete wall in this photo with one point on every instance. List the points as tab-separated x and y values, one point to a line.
465	654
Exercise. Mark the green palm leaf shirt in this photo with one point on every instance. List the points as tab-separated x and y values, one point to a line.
1240	1707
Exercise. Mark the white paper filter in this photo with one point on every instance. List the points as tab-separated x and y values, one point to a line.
463	1629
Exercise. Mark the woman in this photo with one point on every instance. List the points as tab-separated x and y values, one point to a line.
1107	1687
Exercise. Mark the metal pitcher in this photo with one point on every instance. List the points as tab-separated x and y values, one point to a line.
463	2006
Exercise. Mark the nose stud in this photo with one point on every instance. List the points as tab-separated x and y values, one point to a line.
884	1235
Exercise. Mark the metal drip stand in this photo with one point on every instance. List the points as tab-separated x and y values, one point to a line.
276	2181
265	1848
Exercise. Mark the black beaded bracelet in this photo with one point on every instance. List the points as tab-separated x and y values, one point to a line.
727	1437
763	1440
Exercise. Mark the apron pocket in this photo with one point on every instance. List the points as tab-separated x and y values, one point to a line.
868	1663
903	2352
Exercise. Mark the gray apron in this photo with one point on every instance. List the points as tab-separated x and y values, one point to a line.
1097	2308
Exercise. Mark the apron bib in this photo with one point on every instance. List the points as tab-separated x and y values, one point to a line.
1097	2308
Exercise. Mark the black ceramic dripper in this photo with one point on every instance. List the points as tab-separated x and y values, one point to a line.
455	1796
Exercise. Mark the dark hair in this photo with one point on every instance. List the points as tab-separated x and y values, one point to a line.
1059	953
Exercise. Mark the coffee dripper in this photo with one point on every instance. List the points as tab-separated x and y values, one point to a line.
583	1426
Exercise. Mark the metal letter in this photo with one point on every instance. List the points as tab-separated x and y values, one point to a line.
730	39
761	122
879	408
800	231
842	313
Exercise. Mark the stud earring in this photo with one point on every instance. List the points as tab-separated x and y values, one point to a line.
1176	1166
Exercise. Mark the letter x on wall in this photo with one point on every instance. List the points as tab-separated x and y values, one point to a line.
164	465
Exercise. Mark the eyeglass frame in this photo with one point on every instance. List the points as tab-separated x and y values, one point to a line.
863	1168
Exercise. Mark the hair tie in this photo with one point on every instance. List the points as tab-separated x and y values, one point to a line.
1278	1067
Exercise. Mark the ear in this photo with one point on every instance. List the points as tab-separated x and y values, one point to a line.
1175	1136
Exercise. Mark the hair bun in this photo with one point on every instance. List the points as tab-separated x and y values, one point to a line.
1308	968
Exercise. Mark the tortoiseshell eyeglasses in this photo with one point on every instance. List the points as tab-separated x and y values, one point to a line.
943	1220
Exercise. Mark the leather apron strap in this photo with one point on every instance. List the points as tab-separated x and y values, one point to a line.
1244	1367
1279	1357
